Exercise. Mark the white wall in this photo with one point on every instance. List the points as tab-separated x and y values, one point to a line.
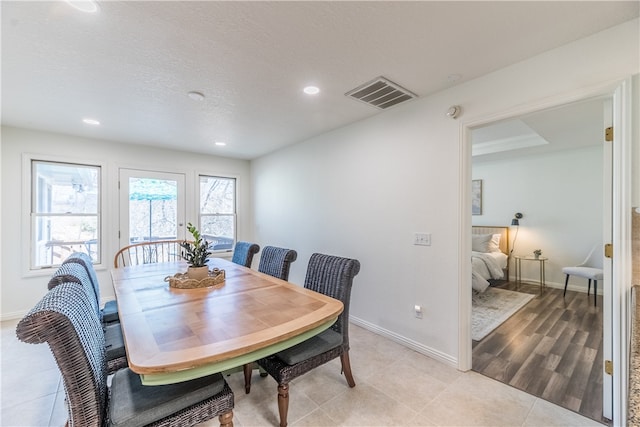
21	289
560	196
361	191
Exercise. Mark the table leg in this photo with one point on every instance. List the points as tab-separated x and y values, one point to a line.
541	265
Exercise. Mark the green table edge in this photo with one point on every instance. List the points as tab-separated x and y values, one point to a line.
165	378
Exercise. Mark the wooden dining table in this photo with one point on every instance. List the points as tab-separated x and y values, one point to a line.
173	335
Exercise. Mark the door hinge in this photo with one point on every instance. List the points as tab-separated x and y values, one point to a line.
608	250
608	367
608	134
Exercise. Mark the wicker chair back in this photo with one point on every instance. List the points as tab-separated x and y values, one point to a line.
332	276
276	262
66	319
76	273
85	261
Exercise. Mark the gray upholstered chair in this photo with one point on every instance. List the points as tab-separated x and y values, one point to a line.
276	262
114	342
66	319
332	276
110	310
590	269
243	253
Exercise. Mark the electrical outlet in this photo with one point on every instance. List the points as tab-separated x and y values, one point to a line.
422	239
418	311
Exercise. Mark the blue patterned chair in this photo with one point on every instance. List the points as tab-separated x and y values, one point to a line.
244	252
110	309
114	342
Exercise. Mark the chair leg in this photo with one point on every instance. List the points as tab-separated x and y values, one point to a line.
248	370
226	419
589	288
595	293
346	368
566	282
283	403
263	373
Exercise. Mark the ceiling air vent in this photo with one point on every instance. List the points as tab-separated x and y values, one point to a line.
381	93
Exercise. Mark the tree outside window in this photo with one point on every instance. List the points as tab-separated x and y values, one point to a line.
218	211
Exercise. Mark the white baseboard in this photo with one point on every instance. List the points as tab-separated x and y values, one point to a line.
14	315
420	348
580	286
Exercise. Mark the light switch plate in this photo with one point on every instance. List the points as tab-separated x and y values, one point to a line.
422	239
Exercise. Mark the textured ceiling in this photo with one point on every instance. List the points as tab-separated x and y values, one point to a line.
132	64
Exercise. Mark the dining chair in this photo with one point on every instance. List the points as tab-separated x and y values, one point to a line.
114	342
148	253
243	253
590	269
110	310
331	276
276	261
66	320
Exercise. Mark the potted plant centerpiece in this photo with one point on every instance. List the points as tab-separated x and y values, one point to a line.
196	253
537	253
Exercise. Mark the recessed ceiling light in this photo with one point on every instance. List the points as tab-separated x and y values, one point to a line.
220	143
87	6
196	96
89	121
311	90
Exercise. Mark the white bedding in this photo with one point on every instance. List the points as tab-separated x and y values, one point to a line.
486	266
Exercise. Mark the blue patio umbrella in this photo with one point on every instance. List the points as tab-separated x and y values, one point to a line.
152	189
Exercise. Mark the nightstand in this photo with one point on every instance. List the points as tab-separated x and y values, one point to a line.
540	260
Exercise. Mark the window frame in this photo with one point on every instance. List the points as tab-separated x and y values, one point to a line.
234	215
28	210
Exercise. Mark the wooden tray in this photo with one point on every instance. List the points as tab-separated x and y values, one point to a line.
181	280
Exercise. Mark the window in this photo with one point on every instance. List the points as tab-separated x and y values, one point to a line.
65	206
218	211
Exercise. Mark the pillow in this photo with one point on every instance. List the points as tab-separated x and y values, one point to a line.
494	243
480	242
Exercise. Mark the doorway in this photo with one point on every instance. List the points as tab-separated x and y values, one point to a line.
565	145
619	266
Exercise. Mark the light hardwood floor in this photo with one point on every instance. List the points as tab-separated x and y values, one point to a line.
551	348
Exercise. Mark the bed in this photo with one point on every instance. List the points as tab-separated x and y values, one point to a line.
489	255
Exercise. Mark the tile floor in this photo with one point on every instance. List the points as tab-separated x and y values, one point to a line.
395	387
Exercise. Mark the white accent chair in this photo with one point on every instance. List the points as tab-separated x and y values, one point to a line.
590	269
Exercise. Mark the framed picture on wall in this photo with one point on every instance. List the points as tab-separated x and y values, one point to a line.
476	197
